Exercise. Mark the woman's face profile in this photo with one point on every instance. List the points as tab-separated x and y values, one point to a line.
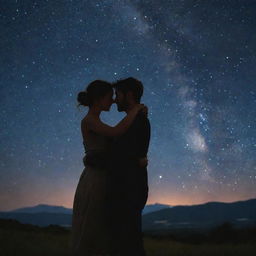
107	101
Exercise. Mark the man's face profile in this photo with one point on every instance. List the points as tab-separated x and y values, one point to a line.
121	101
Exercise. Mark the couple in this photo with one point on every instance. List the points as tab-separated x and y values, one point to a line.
113	189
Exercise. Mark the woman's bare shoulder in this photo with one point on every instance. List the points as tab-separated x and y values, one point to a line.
85	121
85	126
88	122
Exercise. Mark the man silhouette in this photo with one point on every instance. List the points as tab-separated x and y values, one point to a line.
128	182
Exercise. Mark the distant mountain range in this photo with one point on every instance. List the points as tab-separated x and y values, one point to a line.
44	215
44	208
60	209
239	214
155	217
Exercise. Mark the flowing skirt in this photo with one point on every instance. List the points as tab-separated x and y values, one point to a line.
91	234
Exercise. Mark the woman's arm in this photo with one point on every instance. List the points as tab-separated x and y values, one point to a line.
96	125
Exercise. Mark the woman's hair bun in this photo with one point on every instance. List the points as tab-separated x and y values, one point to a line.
95	90
82	98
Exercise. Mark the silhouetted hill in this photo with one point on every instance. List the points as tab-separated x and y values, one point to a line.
44	208
44	215
39	219
10	224
154	207
60	209
240	214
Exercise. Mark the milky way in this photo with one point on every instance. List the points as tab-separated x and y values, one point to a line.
196	60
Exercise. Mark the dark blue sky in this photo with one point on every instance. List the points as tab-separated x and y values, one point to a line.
196	60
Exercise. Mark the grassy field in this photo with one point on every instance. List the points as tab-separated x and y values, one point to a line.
172	248
29	240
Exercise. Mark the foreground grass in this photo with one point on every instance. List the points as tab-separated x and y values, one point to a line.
34	243
171	248
54	241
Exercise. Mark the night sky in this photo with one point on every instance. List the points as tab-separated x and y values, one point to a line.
196	60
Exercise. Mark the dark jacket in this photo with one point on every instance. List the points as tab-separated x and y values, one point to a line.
128	181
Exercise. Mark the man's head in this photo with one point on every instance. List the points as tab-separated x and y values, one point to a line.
128	92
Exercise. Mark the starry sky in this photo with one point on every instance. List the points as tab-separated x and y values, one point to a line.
196	60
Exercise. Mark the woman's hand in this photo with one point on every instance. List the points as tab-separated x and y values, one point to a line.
138	107
143	162
141	108
145	110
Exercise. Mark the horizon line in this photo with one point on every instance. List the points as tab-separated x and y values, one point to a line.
31	206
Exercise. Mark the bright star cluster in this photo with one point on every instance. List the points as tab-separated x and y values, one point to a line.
196	60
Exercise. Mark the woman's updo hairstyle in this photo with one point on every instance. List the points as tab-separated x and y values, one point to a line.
94	91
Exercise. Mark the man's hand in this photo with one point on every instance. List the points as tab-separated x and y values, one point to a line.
143	162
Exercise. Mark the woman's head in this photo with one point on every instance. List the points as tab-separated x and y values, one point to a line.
97	92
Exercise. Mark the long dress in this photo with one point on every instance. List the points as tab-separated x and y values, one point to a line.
90	234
